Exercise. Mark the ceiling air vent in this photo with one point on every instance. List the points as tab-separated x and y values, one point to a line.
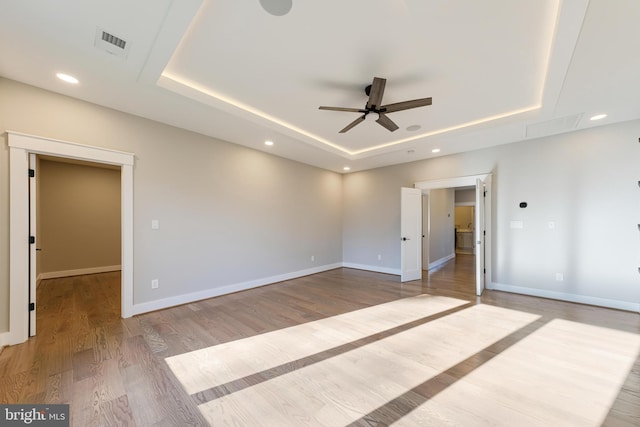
111	44
553	126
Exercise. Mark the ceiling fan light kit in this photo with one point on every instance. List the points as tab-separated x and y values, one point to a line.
375	91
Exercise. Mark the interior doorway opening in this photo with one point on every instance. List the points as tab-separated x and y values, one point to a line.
482	222
465	220
76	224
21	147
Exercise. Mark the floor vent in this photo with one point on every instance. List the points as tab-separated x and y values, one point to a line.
111	44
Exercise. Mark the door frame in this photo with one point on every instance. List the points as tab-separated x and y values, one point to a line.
20	147
33	219
466	181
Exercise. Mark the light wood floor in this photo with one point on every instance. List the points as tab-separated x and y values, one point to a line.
344	347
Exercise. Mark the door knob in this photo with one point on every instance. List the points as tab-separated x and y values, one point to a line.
405	238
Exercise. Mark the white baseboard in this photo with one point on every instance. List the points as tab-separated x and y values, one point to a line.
4	340
441	261
160	304
78	272
562	296
375	268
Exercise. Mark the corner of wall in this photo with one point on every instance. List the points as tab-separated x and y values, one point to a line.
4	340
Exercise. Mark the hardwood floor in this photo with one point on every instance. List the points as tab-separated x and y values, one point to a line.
344	347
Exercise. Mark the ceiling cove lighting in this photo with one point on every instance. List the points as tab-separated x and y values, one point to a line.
269	143
195	90
598	117
178	84
67	78
435	150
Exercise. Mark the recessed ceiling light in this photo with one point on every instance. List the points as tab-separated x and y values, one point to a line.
269	143
346	168
598	117
413	128
435	150
67	78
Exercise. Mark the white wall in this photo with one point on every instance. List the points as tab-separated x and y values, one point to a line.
585	182
228	215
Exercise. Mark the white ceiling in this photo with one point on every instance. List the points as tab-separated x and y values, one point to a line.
498	71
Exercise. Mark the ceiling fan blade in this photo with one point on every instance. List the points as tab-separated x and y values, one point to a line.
354	123
376	92
405	105
351	110
387	122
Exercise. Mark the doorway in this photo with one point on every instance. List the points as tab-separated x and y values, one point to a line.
465	219
21	146
77	227
482	230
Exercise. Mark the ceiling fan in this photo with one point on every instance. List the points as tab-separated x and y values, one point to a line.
375	91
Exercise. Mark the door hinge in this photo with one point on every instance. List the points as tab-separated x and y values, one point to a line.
484	270
32	173
32	240
32	306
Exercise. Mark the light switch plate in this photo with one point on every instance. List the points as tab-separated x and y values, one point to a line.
155	224
517	224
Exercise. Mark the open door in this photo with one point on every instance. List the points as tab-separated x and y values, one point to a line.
32	245
483	188
411	234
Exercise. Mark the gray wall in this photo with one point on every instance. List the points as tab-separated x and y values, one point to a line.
466	196
79	217
585	182
228	214
441	225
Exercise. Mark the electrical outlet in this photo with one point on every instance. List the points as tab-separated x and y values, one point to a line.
379	257
313	258
559	277
154	284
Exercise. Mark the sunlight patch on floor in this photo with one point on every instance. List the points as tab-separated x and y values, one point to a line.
341	389
566	373
209	367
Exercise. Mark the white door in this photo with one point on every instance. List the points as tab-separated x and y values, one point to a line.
33	243
411	234
479	234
